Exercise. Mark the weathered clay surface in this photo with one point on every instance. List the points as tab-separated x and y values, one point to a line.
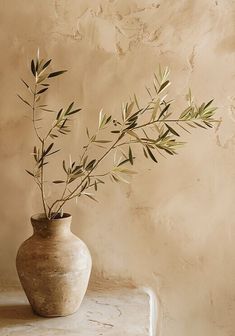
54	267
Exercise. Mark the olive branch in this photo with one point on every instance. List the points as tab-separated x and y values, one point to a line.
151	127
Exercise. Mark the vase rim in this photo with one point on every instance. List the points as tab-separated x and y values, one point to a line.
41	217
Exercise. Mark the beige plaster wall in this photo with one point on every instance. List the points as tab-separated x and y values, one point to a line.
173	227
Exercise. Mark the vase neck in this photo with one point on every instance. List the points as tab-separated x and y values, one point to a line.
51	227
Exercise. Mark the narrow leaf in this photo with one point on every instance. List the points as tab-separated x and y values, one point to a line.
64	167
23	100
24	83
33	69
69	108
136	101
199	125
91	197
209	103
56	73
30	173
130	156
42	90
90	165
151	154
48	148
145	153
46	64
74	111
102	141
172	130
163	86
164	110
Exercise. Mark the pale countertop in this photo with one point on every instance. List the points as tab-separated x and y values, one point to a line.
116	311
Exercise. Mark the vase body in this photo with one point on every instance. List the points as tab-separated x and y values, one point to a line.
54	267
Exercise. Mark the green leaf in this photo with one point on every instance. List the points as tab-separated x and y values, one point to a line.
47	110
172	130
56	73
149	92
136	101
108	120
199	125
46	64
35	153
74	111
102	119
42	90
164	86
185	129
190	125
90	196
24	83
56	151
209	103
59	114
207	124
130	156
123	162
23	100
126	171
30	173
131	126
69	108
48	148
145	153
114	178
53	136
164	110
33	69
64	167
90	165
118	178
151	154
102	141
155	109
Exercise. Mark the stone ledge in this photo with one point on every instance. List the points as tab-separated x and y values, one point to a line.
112	311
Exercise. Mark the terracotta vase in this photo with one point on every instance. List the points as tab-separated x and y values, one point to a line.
54	267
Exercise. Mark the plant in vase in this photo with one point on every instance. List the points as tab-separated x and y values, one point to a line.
53	264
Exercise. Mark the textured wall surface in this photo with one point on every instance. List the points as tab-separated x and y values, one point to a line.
173	228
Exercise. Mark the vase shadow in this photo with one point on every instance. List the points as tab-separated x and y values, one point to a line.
16	314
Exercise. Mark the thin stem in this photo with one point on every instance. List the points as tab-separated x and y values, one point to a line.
34	110
42	150
42	181
166	121
62	197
